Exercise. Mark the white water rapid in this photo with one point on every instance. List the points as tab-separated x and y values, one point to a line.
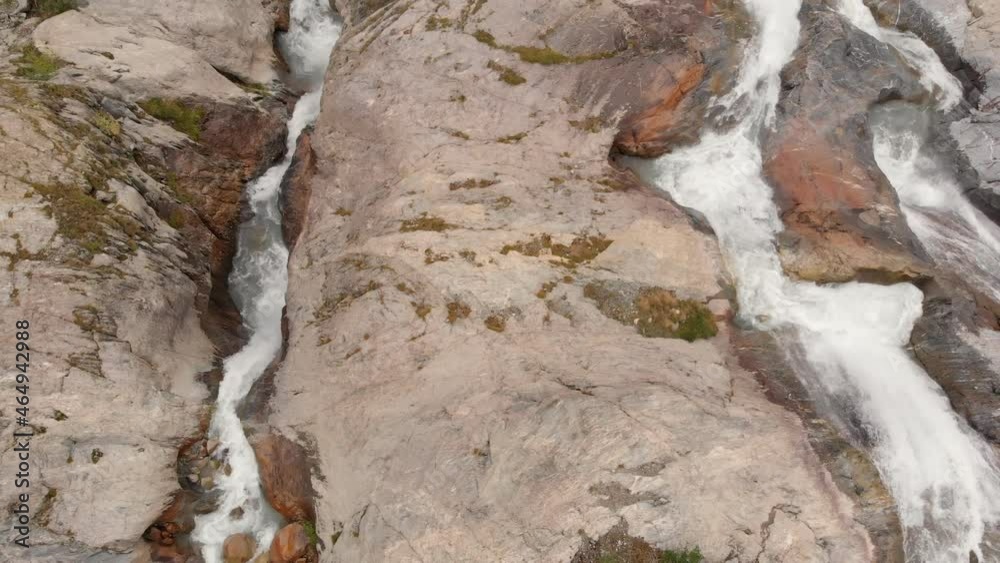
852	336
258	283
956	235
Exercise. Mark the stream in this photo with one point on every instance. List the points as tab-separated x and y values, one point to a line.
258	282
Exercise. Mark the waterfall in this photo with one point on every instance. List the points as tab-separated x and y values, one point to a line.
258	283
852	336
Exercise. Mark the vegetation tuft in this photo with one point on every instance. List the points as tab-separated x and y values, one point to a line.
182	117
107	124
507	74
48	8
654	311
425	223
692	555
539	55
36	65
458	310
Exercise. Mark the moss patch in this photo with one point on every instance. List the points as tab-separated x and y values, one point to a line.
496	323
310	529
425	223
592	124
472	183
511	139
458	310
507	74
654	311
107	124
582	249
421	310
179	115
48	8
331	304
435	23
539	55
36	65
82	219
617	546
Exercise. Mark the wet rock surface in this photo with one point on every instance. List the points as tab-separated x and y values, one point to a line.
841	214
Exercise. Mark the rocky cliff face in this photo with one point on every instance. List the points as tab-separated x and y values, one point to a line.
127	136
501	345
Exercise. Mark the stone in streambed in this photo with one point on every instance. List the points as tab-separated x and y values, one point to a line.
290	543
284	476
238	548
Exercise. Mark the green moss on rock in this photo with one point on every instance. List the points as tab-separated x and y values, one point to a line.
654	311
33	64
178	114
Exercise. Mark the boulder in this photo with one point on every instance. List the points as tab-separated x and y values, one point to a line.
284	475
238	548
841	214
289	544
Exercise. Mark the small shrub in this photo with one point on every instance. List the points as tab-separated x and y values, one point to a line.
107	124
177	114
96	455
36	65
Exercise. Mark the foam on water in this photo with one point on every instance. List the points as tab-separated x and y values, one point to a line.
852	336
258	284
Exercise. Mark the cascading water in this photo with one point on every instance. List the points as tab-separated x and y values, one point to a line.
852	336
956	234
258	283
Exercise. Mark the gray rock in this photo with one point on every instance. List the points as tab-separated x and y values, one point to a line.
118	109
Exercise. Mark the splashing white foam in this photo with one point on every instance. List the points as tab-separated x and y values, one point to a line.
258	284
934	77
956	235
853	335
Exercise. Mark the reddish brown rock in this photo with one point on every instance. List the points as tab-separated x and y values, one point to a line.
666	92
655	129
238	548
284	475
296	189
290	544
236	144
841	213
